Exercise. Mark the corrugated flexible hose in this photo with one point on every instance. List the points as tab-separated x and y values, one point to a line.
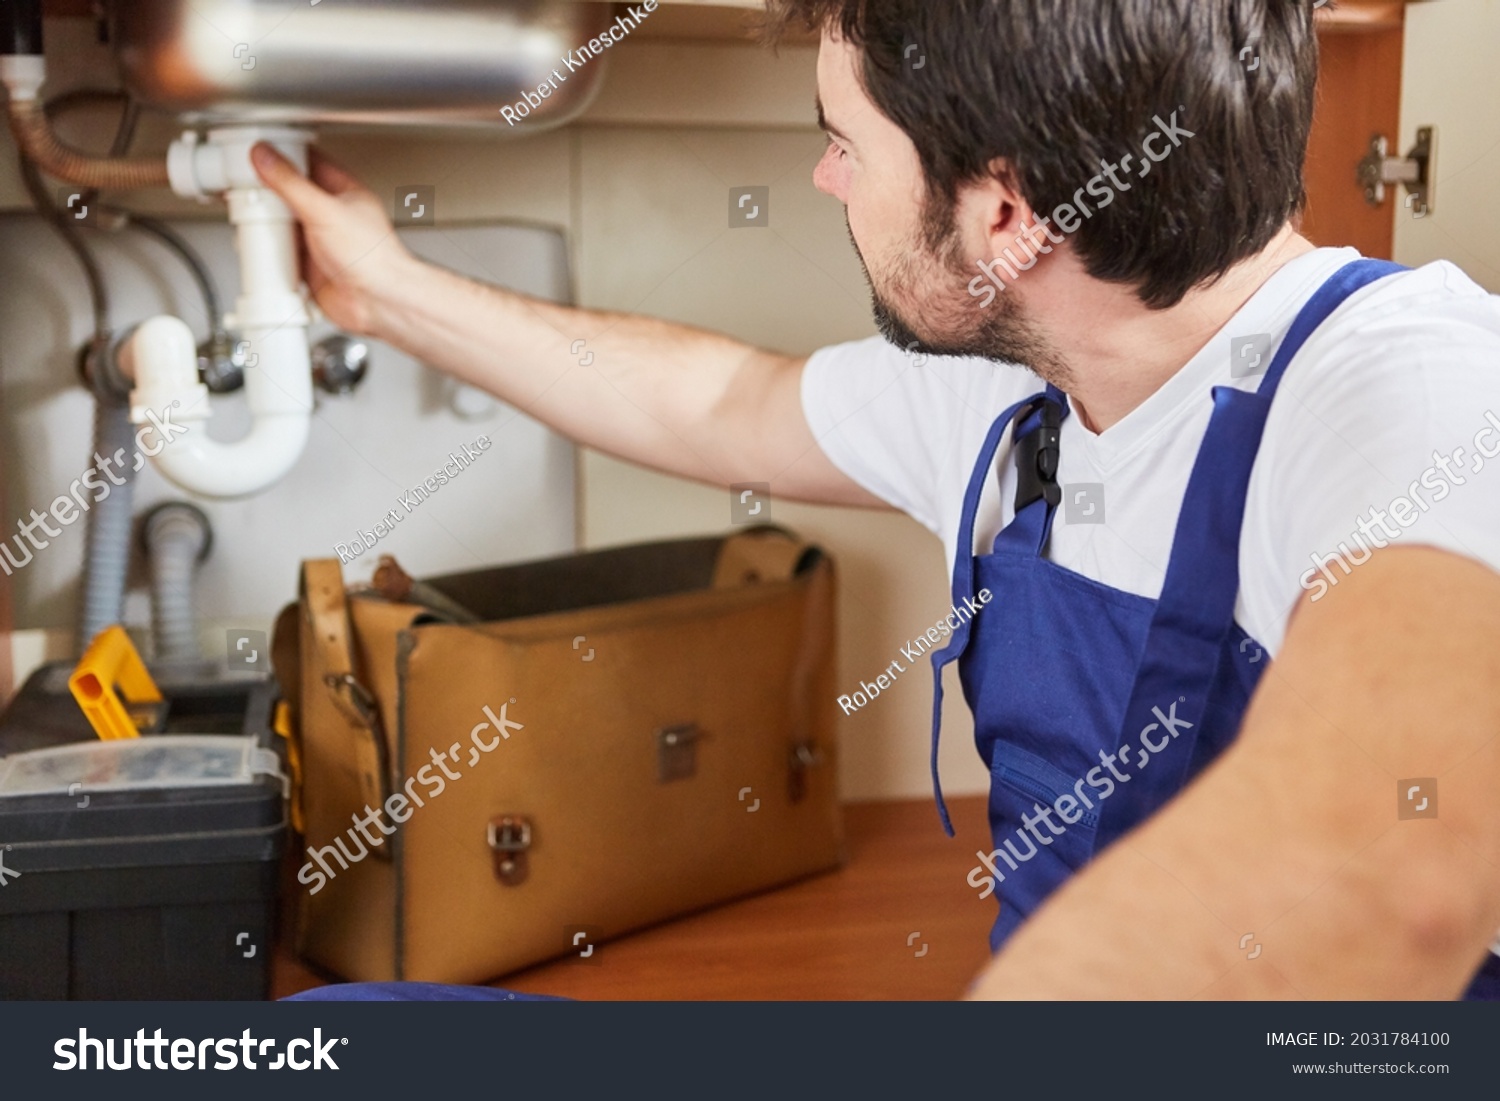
177	538
108	555
34	136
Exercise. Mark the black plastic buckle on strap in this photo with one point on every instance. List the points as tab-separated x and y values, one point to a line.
1037	455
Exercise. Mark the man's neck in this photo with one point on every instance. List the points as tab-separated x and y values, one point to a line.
1118	352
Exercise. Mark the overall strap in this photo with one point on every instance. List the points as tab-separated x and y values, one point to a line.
1037	454
963	567
1195	613
1349	279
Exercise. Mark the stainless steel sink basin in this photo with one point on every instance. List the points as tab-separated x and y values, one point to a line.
418	62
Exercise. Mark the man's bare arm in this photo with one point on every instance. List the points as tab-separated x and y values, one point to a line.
1293	836
675	398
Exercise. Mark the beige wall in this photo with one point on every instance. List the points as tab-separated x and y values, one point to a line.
641	186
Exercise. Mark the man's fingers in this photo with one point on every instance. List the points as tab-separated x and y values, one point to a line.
331	176
281	176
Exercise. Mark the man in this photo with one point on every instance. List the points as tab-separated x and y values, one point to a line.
1219	723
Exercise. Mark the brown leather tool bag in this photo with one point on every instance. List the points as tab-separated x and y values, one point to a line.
626	736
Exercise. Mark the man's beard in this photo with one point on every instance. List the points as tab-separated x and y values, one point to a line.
929	276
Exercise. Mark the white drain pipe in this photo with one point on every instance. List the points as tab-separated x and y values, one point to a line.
270	317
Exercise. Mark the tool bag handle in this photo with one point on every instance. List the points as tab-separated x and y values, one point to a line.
765	553
340	716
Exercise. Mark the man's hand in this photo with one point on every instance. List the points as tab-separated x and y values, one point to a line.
352	259
1293	837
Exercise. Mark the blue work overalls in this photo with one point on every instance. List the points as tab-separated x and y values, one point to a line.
1098	703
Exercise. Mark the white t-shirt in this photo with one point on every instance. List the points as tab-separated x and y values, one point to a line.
1404	373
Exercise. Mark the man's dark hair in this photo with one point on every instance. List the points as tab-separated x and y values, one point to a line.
1055	87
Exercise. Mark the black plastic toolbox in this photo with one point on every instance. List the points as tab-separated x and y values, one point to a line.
143	868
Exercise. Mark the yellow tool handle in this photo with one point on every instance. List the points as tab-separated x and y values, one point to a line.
109	668
282	723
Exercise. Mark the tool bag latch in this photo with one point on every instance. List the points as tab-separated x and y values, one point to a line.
677	752
509	836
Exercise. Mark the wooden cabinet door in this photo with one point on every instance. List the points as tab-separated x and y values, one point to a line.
1359	95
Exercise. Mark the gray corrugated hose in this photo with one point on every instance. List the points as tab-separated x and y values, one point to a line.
109	520
177	537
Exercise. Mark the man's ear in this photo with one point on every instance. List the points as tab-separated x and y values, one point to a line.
995	206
